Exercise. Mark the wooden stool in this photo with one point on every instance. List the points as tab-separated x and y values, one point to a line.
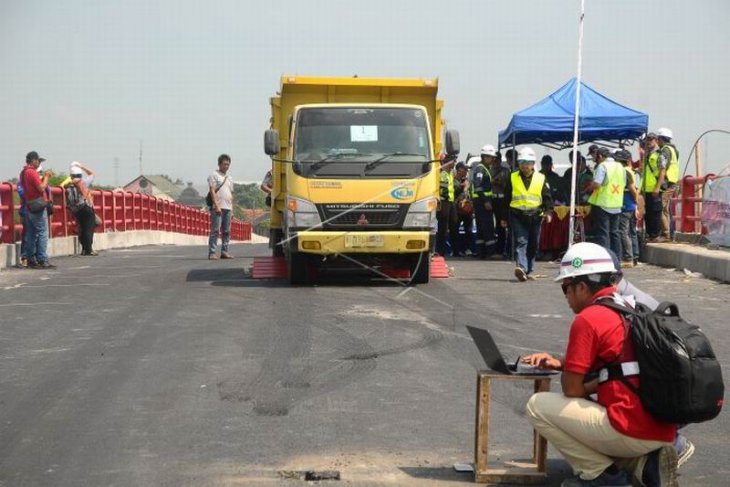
513	472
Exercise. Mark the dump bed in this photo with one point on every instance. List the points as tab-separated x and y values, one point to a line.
304	90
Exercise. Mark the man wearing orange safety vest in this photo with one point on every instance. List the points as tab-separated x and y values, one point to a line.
529	200
607	199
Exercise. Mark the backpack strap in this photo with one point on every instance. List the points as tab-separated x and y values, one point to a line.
621	370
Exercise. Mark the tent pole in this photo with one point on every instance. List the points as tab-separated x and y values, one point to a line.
574	175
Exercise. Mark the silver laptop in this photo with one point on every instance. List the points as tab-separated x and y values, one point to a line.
494	359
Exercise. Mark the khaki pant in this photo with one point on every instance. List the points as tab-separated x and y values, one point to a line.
579	429
666	196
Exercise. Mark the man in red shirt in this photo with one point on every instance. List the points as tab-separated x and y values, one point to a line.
36	235
606	440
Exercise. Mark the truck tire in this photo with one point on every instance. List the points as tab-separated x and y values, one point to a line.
298	269
421	268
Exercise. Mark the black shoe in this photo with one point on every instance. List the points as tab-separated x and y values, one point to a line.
33	264
44	265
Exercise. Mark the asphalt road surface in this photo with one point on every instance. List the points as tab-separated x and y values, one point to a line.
156	367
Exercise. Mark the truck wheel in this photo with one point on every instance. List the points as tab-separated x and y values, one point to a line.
298	269
421	268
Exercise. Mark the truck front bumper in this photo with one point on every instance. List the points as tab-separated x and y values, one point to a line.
399	242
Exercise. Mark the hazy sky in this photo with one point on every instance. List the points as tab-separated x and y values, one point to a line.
88	79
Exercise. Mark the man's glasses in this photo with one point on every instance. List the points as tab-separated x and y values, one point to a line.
564	286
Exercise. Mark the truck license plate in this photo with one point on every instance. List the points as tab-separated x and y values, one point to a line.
355	240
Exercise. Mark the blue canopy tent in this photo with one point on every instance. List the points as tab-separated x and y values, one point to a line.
550	121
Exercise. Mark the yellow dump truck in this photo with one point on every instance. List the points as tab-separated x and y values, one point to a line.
356	174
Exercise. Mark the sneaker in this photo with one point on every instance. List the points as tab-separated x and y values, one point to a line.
684	448
212	257
226	255
45	265
32	264
660	469
23	263
520	274
627	263
620	479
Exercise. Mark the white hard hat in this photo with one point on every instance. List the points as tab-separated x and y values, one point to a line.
488	150
585	258
75	168
664	132
526	154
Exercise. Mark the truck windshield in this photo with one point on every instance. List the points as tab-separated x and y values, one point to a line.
361	135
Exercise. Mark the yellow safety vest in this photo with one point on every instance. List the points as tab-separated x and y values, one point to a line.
672	166
447	181
651	173
523	198
611	192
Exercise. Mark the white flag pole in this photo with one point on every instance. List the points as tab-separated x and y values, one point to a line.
574	174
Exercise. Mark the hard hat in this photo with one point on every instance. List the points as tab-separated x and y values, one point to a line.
75	168
526	154
488	150
664	132
585	258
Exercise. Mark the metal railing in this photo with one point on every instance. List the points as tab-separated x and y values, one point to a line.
119	212
689	217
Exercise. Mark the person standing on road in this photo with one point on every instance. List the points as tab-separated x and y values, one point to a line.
553	179
23	214
529	200
81	204
667	178
481	195
583	179
500	175
609	440
464	210
627	219
651	170
606	200
36	197
446	215
220	205
267	186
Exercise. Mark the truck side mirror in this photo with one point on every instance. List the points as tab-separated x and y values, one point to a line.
451	139
271	142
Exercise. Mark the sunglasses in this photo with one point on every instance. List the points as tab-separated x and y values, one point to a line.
564	286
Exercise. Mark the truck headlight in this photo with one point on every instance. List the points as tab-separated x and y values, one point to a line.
422	214
302	214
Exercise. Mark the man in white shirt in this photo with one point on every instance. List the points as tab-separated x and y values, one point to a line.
221	208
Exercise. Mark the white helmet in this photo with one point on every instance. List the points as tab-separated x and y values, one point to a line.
585	258
488	150
664	132
75	168
526	154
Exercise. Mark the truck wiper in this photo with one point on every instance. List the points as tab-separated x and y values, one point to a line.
324	161
333	158
373	164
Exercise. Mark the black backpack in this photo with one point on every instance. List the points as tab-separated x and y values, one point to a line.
74	201
680	380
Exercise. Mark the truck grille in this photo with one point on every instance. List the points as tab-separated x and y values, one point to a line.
362	216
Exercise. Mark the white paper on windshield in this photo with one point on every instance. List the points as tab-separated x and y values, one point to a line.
363	133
